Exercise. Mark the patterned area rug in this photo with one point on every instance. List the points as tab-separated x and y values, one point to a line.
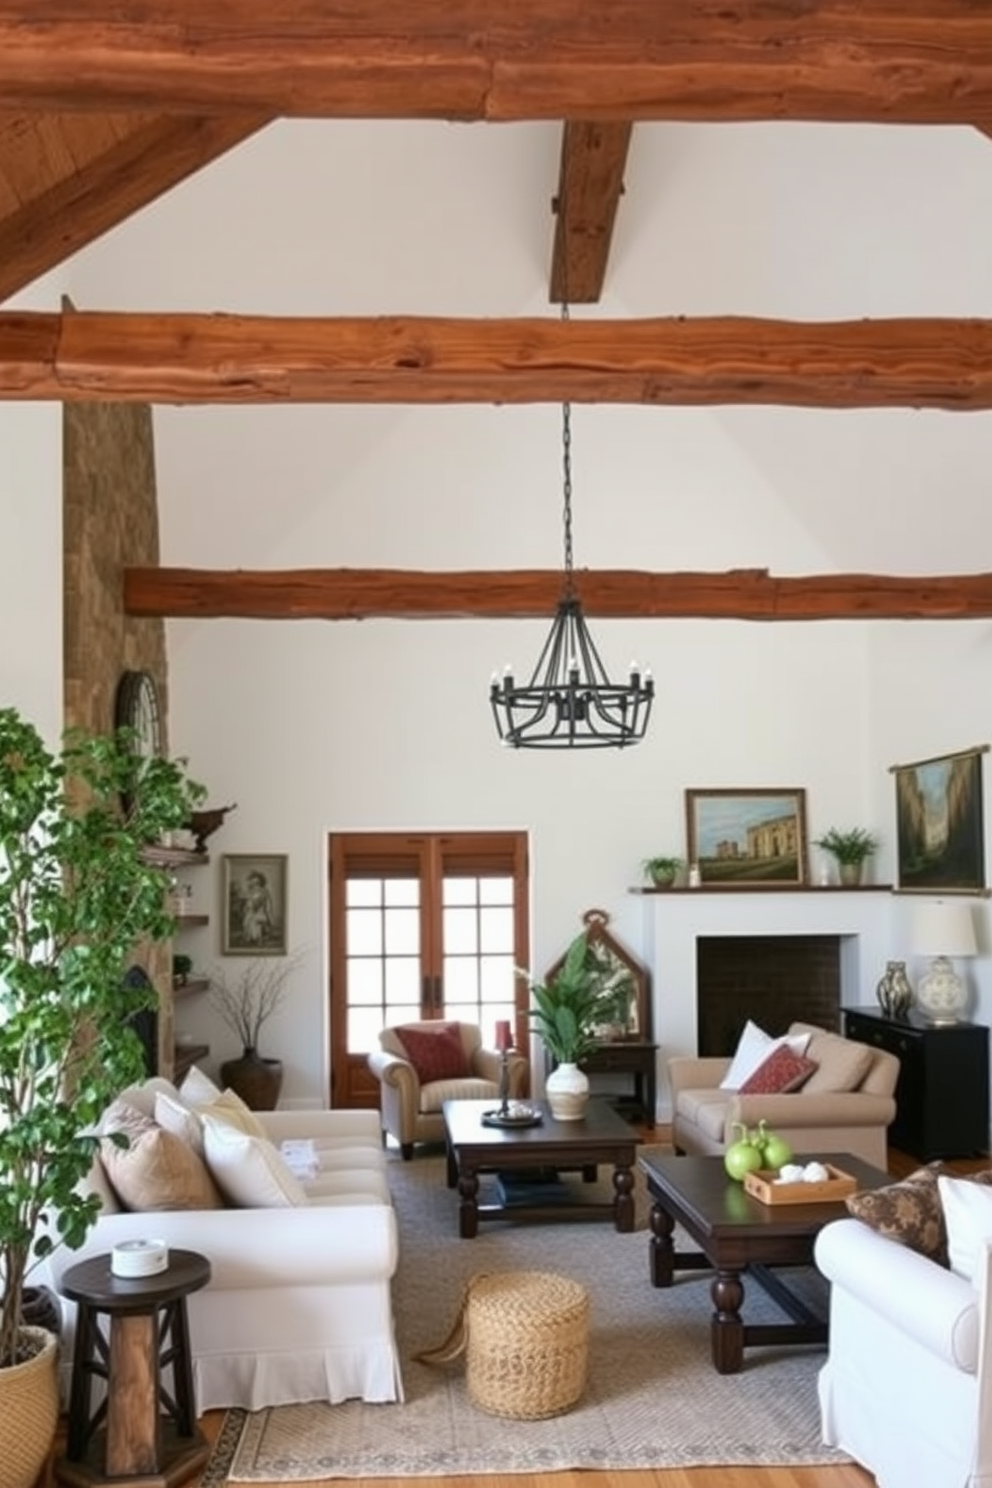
653	1398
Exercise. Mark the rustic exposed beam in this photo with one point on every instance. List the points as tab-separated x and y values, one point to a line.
590	184
910	61
71	210
395	359
364	594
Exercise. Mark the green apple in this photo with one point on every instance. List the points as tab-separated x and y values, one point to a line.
776	1152
742	1157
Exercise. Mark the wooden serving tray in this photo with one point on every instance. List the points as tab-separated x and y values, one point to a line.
761	1186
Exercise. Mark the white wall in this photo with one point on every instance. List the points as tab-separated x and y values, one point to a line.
316	727
31	554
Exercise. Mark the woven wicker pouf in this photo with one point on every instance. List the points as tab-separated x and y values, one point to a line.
527	1343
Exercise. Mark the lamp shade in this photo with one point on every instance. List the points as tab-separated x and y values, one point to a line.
943	927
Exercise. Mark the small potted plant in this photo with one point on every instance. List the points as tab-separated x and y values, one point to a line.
568	1009
662	871
851	847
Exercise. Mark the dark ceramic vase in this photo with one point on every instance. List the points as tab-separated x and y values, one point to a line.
258	1081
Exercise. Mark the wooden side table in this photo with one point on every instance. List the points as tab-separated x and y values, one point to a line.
639	1059
150	1436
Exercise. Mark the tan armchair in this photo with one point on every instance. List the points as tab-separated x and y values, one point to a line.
853	1117
411	1110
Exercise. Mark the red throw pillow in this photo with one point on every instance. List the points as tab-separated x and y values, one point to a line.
435	1053
782	1071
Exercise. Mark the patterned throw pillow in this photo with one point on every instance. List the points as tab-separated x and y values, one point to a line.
436	1054
909	1212
782	1071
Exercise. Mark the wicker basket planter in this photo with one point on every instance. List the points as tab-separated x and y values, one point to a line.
29	1412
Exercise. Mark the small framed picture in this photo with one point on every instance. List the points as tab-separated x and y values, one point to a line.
940	841
747	839
253	904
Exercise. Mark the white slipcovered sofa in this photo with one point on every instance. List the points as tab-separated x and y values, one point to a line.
299	1302
907	1387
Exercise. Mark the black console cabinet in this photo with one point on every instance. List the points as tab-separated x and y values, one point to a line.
942	1097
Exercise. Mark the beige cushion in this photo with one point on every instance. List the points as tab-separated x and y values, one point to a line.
705	1109
248	1170
841	1064
143	1095
156	1170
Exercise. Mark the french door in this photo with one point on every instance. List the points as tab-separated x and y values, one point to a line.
422	925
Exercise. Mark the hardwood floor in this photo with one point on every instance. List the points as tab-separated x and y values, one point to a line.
848	1476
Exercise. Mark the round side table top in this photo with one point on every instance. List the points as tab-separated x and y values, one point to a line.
93	1282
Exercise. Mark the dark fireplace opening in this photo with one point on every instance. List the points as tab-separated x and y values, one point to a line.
144	1020
773	979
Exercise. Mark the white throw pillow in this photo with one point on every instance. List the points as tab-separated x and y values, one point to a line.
248	1170
753	1048
968	1215
198	1089
175	1116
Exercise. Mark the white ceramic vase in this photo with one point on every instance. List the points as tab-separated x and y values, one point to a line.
567	1090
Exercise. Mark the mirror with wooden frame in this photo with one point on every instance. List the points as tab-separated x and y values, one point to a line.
624	983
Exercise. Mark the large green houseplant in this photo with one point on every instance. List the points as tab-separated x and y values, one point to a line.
567	1010
77	898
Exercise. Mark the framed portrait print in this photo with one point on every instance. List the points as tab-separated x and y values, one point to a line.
747	839
940	840
253	904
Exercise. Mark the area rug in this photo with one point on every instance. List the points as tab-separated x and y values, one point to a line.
652	1400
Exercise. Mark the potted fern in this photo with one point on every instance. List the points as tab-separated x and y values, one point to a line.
851	847
77	897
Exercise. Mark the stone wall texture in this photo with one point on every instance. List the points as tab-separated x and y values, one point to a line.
110	521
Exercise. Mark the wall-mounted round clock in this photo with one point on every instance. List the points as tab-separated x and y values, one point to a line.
136	707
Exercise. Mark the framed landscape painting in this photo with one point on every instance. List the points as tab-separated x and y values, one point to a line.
253	904
940	842
747	839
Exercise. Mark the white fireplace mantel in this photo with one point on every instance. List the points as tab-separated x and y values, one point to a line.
674	921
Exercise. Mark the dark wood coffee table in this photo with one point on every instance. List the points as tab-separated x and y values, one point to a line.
737	1233
567	1146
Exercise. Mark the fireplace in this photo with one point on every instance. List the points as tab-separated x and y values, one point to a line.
852	927
774	979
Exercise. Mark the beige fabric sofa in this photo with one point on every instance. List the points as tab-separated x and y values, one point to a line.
846	1107
410	1111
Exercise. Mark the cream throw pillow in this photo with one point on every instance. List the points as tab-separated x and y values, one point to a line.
248	1170
229	1107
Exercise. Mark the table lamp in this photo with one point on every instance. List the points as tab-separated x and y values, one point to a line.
942	929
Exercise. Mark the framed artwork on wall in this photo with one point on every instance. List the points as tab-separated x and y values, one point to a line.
253	904
747	839
940	835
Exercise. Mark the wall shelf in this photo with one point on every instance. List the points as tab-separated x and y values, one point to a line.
189	985
757	889
174	857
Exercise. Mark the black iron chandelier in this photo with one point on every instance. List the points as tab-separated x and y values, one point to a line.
570	702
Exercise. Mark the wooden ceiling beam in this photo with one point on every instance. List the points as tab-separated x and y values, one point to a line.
382	593
891	61
590	184
100	356
67	211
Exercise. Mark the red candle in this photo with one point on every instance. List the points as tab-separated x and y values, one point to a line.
504	1038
